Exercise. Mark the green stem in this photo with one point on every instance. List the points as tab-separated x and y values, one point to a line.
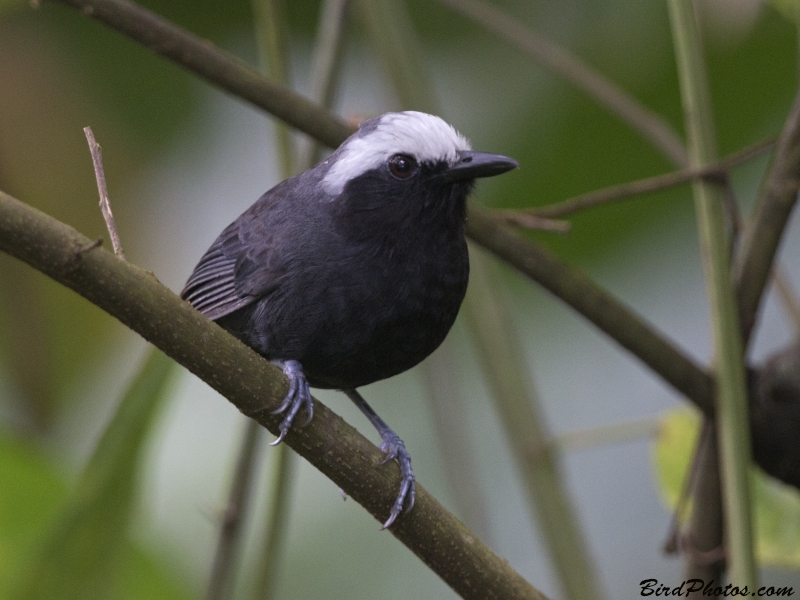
230	537
731	402
494	333
228	72
271	36
274	538
395	39
328	50
441	377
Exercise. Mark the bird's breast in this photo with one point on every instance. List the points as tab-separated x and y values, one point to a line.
387	310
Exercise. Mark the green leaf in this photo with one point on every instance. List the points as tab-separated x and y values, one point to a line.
30	496
777	506
81	553
788	8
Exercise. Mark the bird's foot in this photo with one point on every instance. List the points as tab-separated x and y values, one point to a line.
299	396
395	449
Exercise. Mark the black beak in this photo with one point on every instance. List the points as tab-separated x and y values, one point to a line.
471	165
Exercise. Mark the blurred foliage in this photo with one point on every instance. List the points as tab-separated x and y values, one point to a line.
32	496
81	551
789	8
60	71
777	506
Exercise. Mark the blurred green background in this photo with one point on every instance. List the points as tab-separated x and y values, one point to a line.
183	159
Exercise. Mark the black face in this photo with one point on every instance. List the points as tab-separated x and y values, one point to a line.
398	194
403	192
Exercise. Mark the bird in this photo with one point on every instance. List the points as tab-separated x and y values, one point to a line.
354	270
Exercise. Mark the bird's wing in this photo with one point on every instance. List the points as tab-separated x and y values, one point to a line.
245	263
211	288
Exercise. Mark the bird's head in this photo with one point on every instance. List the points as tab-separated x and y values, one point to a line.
411	159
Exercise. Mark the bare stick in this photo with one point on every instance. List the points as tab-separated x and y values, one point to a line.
575	204
527	220
105	207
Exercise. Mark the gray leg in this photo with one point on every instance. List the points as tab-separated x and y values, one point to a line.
299	396
395	449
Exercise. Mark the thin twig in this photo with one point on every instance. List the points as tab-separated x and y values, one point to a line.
105	206
533	222
229	541
703	540
715	172
672	544
591	438
571	68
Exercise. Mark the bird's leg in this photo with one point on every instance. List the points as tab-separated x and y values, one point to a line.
395	449
299	395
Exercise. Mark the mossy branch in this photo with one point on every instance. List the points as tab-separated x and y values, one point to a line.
254	386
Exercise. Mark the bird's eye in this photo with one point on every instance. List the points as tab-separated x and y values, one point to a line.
402	166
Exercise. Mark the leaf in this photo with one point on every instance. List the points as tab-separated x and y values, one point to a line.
31	495
80	555
777	506
788	8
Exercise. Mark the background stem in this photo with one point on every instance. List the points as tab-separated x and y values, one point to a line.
731	402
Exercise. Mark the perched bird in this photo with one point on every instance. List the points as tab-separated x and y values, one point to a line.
354	270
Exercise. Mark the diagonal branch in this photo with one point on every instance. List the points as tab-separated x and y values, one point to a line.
601	308
227	72
716	172
141	302
597	305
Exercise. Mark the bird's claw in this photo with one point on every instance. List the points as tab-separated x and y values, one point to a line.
395	449
299	396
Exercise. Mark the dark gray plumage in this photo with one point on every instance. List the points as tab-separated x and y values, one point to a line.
354	270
